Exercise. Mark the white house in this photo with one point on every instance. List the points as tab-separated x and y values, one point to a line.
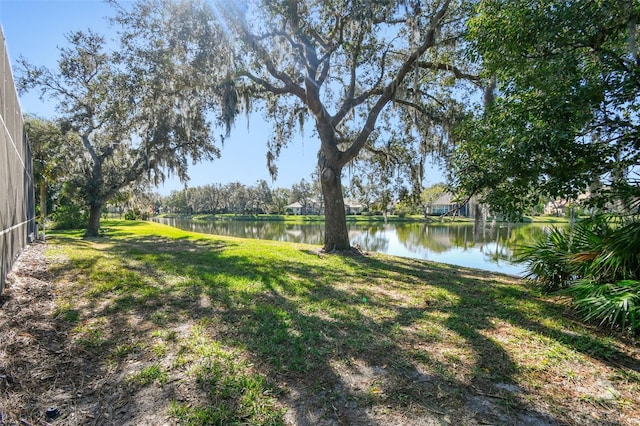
352	206
312	206
296	208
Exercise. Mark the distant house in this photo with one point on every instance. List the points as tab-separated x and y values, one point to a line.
556	207
445	204
352	206
296	208
312	206
560	206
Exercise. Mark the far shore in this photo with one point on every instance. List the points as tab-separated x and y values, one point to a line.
356	218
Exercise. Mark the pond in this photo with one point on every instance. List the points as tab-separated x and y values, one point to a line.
487	246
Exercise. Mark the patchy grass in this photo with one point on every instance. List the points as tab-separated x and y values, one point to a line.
148	375
219	330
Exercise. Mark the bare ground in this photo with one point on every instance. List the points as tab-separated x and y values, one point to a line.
46	380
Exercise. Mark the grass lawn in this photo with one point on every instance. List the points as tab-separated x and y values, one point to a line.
171	327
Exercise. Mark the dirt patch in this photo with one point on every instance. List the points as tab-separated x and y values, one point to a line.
46	379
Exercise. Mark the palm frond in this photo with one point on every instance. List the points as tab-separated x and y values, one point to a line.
547	261
613	304
597	263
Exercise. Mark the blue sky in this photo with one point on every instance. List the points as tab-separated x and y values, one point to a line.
35	29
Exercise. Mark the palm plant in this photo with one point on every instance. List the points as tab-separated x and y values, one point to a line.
613	304
597	263
547	260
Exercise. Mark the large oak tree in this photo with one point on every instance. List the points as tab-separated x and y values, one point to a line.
369	75
366	72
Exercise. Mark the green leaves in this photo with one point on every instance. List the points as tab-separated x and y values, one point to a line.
559	123
612	304
547	261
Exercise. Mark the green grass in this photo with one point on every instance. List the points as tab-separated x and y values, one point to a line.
66	312
244	323
546	219
148	375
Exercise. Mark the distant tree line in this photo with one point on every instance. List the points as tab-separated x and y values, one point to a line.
240	199
234	198
260	198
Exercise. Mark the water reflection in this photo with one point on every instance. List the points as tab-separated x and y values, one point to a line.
489	246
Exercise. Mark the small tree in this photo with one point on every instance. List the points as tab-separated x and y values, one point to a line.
238	197
429	195
213	196
371	189
302	193
280	199
263	195
176	202
50	149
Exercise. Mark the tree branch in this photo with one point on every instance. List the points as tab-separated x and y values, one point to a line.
87	144
290	87
410	104
350	102
390	90
448	67
265	84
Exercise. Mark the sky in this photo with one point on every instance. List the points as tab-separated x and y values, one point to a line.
36	29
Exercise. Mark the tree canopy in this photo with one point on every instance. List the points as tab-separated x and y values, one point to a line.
375	76
565	118
50	148
138	114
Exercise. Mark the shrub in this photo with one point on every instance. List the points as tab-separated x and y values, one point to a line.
613	304
133	214
547	261
69	216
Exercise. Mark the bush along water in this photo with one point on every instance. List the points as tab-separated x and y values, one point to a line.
597	263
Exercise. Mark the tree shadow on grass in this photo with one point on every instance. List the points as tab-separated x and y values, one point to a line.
478	288
325	349
340	340
486	301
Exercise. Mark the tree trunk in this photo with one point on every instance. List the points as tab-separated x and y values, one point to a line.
93	226
336	236
43	201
